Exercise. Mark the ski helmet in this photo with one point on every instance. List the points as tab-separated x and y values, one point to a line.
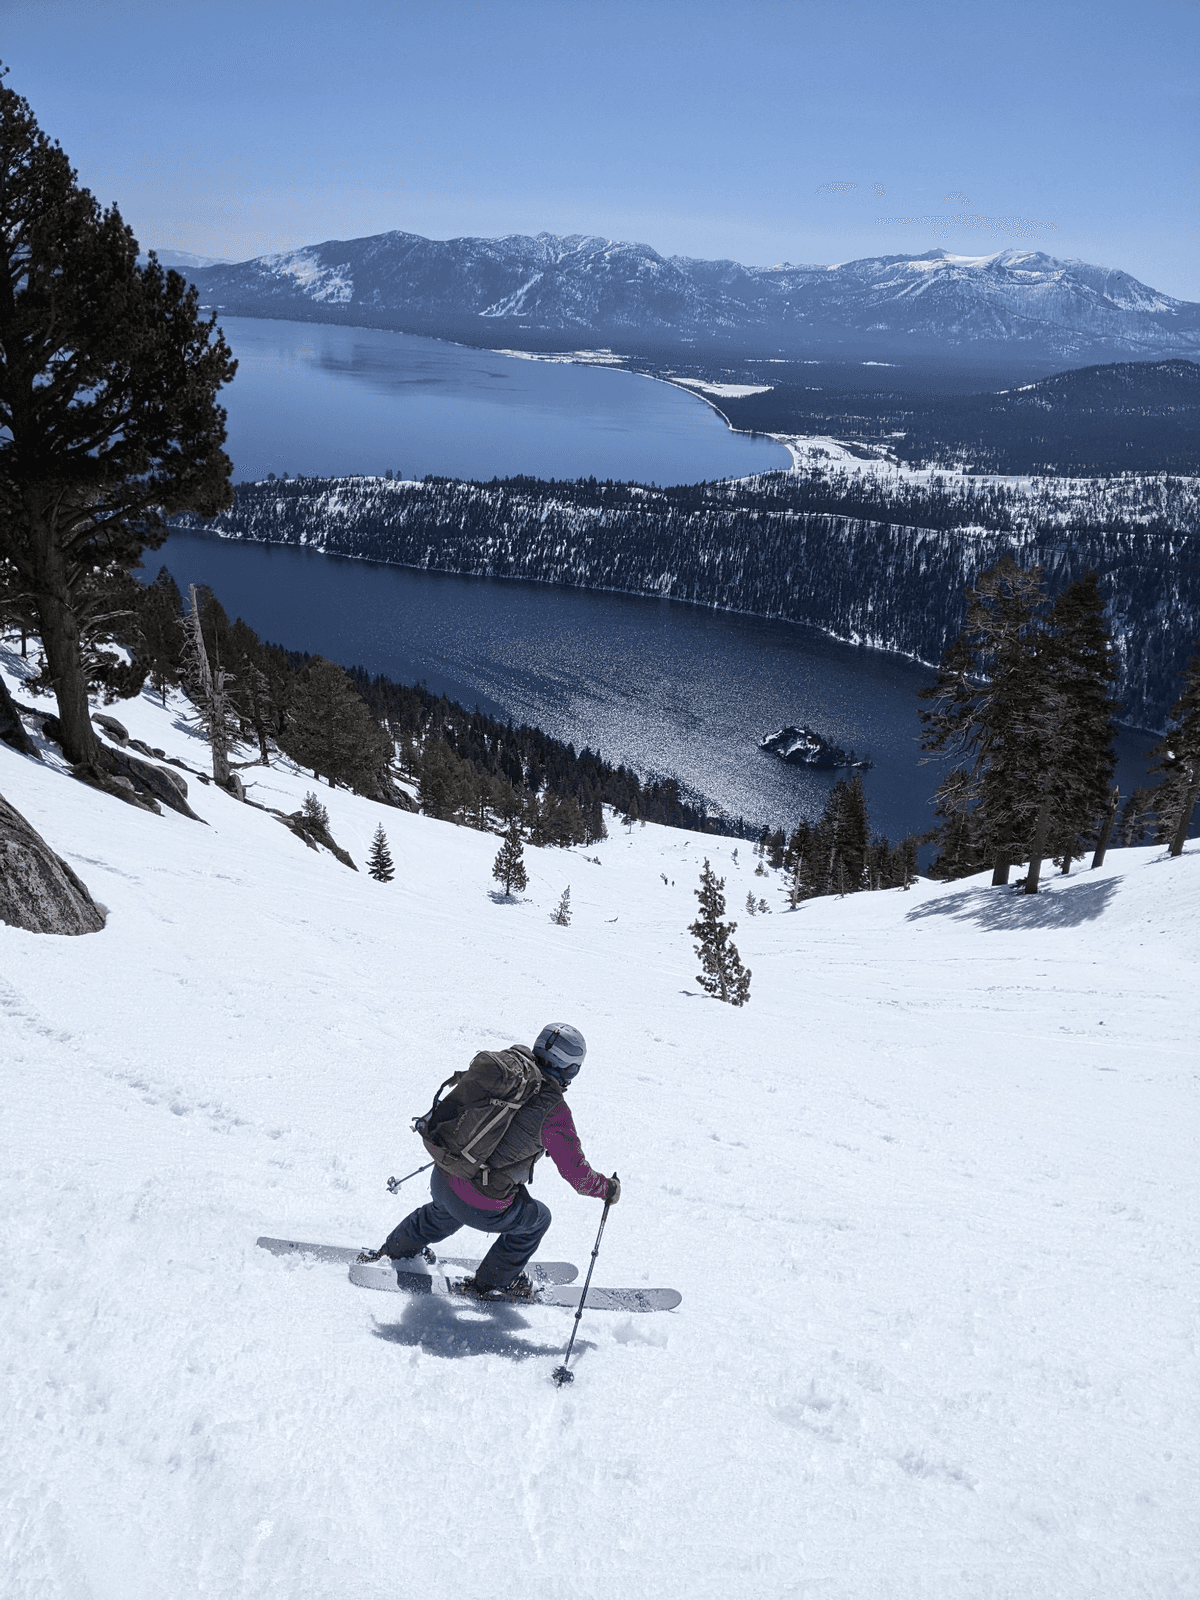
560	1049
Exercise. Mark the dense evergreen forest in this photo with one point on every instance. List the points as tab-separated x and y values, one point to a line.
882	563
1129	416
487	755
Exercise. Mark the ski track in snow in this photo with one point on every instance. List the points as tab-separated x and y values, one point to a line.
929	1198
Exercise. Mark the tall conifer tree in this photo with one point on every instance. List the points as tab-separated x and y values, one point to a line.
330	729
108	414
1179	760
988	706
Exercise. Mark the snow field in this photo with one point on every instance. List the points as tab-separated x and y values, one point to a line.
930	1200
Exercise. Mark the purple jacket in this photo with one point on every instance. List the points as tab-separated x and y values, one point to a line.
561	1144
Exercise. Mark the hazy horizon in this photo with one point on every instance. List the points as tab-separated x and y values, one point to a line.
785	132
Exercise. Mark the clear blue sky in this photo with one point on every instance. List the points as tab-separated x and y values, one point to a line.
700	128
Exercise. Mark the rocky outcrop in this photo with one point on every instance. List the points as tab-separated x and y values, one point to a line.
159	783
805	747
116	731
315	834
38	890
126	776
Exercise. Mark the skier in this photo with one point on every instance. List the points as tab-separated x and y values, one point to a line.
543	1125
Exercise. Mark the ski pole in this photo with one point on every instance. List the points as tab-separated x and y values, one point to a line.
560	1374
393	1184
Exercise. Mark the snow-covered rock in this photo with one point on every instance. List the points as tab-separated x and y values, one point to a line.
805	747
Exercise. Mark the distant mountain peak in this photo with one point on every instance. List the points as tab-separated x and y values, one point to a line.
547	290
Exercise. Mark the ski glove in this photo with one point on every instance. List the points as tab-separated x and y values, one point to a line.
614	1190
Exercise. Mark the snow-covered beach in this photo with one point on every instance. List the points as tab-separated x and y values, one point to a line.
930	1199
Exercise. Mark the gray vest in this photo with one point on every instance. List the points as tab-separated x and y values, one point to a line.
512	1162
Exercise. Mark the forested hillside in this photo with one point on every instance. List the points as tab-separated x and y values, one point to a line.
1131	416
872	563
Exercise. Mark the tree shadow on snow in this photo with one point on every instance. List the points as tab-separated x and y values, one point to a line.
19	665
440	1327
1059	904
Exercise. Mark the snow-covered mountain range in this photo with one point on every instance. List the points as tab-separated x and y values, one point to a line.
539	292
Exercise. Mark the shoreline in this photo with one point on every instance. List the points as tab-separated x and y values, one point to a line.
851	641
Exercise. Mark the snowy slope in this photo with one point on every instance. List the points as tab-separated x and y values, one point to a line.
930	1201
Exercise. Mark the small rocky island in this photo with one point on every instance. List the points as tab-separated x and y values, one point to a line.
805	747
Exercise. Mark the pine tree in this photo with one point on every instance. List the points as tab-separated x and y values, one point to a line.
108	392
989	709
794	860
251	691
331	729
850	833
1021	699
160	642
1077	730
1179	760
379	862
751	904
561	915
723	975
313	811
282	681
509	865
1136	817
909	852
443	785
208	689
962	850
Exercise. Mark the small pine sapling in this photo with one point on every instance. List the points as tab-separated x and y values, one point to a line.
561	915
723	975
763	907
379	862
509	865
751	908
313	811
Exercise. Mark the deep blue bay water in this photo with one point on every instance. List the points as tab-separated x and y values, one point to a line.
317	399
669	688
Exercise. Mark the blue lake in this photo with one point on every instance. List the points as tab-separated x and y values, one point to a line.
668	688
314	398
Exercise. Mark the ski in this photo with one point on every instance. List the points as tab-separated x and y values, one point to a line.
612	1299
551	1289
417	1278
317	1252
550	1271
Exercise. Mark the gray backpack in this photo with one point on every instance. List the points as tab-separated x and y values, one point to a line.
462	1131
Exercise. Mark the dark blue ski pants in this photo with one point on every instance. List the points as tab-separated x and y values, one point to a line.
521	1228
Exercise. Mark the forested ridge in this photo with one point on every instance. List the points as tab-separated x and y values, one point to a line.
881	563
1129	416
